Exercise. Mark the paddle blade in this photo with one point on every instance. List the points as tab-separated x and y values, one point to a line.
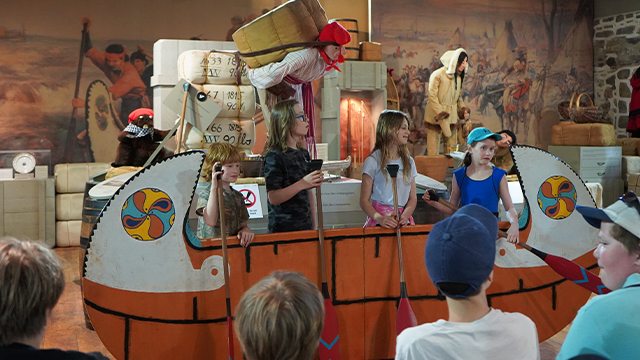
230	336
329	349
405	318
577	274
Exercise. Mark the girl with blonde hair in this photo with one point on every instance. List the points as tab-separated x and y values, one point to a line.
376	191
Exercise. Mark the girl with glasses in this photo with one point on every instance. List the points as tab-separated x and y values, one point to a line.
288	177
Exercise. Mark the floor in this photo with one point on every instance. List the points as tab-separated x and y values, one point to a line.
67	328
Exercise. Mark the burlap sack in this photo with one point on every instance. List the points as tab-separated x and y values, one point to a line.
210	67
572	134
236	101
291	22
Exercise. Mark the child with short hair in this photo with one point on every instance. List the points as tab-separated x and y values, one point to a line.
459	257
287	170
281	317
608	324
479	182
236	214
376	190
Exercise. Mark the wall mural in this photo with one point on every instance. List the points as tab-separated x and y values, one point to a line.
525	57
39	63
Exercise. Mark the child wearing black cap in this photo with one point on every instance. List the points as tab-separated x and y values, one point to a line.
609	325
460	255
479	182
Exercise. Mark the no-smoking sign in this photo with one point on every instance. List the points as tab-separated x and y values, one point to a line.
251	195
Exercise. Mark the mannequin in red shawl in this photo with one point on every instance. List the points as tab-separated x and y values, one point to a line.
299	68
633	126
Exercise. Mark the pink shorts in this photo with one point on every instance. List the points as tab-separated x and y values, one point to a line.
384	210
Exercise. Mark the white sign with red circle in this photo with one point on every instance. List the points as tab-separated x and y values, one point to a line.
251	195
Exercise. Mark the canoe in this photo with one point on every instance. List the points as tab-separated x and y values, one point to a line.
154	290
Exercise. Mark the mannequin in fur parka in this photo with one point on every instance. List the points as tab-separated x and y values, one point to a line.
445	113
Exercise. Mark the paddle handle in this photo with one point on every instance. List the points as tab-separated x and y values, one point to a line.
398	233
179	137
223	231
225	265
501	234
321	233
71	131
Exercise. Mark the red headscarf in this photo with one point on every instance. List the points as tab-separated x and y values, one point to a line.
336	33
139	112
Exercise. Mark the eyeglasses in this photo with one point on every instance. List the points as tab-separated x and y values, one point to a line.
629	196
303	117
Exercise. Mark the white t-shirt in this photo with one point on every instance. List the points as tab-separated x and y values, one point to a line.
382	191
498	335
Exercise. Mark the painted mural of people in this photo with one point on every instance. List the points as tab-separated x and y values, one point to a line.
140	60
127	84
516	93
445	112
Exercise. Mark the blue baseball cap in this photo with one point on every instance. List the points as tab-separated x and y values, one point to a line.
462	249
481	133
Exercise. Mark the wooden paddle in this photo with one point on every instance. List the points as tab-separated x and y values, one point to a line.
405	317
564	267
225	261
71	131
179	137
329	346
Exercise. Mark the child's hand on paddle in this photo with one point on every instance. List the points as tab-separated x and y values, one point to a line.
404	220
388	222
313	179
214	174
513	234
431	197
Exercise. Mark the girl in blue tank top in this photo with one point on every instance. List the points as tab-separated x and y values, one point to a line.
479	182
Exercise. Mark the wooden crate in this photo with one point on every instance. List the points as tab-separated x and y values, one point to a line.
370	51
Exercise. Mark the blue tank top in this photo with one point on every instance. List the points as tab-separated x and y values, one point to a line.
482	192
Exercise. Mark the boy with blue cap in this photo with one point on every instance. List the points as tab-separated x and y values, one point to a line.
609	325
460	255
479	182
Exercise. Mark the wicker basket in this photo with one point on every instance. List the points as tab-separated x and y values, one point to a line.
586	114
563	107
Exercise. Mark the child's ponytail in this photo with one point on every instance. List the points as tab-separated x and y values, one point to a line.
467	159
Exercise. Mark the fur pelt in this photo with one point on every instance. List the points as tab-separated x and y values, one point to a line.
135	151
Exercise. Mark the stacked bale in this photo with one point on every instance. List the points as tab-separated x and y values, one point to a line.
216	73
70	182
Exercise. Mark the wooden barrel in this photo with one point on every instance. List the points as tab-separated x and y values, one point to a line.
353	47
90	212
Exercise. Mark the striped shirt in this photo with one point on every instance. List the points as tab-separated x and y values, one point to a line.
305	65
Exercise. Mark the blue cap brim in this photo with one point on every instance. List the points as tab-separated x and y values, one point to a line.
494	136
593	216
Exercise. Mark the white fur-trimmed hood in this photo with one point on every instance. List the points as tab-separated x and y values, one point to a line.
450	60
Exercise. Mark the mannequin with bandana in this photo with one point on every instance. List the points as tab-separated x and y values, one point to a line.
138	140
299	68
127	84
